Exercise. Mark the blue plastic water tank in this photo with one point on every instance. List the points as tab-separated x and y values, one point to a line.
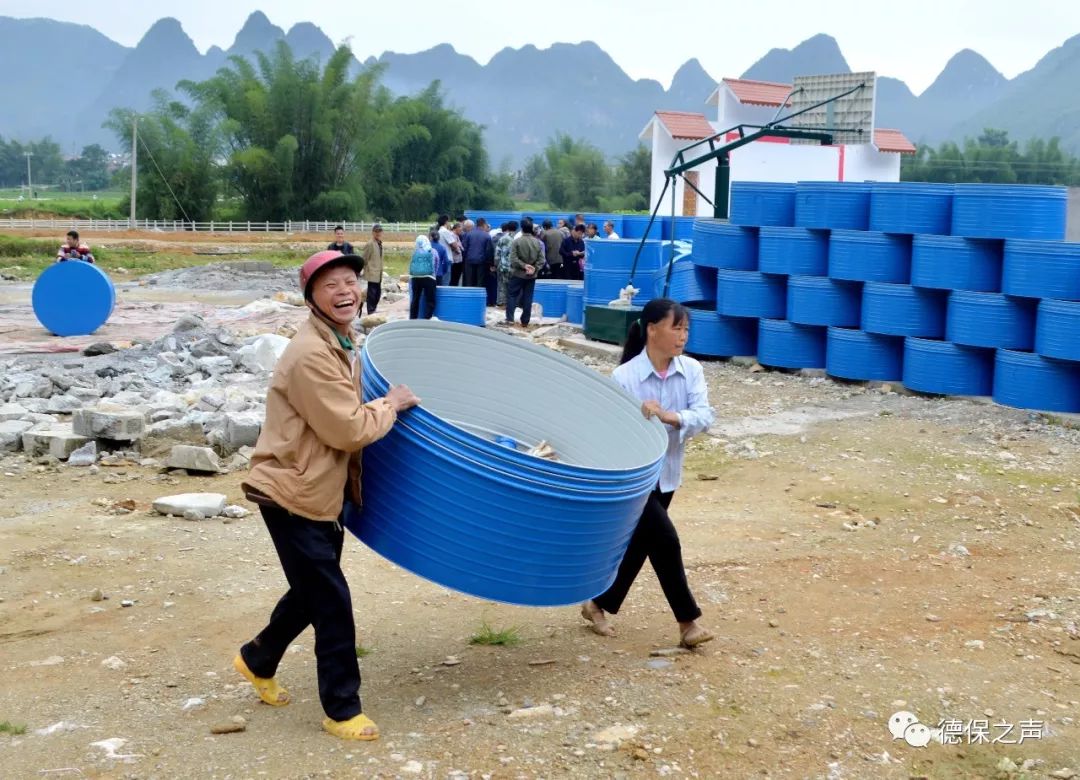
466	305
911	207
718	244
818	300
490	520
1030	381
714	335
682	228
762	203
633	226
903	310
856	354
752	294
947	369
786	345
1009	211
1042	269
688	282
609	255
832	205
551	295
575	303
990	320
602	286
956	263
1057	330
73	298
495	218
860	256
793	251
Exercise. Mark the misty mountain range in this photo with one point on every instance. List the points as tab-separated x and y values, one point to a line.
69	76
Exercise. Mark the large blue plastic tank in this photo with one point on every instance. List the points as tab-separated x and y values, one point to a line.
1009	211
856	354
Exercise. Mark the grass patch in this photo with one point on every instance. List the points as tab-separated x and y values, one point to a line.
76	205
15	729
487	635
362	652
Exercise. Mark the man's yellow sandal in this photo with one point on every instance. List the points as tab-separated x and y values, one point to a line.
267	688
357	727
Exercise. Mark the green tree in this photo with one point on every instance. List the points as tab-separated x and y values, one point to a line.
631	182
993	158
570	173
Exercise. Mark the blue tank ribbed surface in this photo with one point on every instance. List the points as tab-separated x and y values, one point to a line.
1009	211
947	369
856	354
793	251
786	345
955	263
1042	269
1029	381
832	205
911	207
466	305
903	310
751	294
714	335
761	204
575	303
688	282
819	300
869	257
718	244
1057	330
990	320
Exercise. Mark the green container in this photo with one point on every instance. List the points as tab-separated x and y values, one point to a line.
609	323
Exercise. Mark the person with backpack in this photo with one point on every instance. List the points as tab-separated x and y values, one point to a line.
422	280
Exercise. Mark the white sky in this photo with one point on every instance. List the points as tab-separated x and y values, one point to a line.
911	40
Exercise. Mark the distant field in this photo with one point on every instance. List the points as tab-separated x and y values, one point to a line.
83	205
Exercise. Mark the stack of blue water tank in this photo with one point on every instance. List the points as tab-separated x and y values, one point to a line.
964	289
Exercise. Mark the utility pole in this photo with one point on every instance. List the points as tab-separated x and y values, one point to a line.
29	182
134	168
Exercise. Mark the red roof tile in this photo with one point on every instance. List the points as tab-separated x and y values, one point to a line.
759	93
892	141
685	125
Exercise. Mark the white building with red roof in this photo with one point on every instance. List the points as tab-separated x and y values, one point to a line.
745	102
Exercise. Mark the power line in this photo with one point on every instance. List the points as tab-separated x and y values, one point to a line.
162	175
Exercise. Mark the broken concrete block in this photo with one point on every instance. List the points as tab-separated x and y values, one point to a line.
268	350
11	432
62	404
242	430
185	456
12	412
207	504
86	455
58	443
215	365
160	437
106	423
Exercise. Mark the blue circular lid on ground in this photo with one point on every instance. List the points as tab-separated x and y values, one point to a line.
73	298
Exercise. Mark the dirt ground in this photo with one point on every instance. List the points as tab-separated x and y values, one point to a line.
858	552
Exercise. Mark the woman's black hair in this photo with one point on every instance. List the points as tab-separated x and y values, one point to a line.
654	311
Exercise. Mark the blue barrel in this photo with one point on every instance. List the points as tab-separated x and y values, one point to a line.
860	256
832	205
1030	381
609	255
551	295
467	305
495	218
688	282
956	263
762	203
718	244
752	294
483	518
947	369
990	320
602	286
633	226
793	251
818	300
1057	330
903	310
911	207
575	304
856	354
1009	211
714	335
682	228
1042	269
73	298
786	345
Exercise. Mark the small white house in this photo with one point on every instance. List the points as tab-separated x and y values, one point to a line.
742	101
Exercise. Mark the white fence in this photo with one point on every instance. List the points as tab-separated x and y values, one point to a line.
179	226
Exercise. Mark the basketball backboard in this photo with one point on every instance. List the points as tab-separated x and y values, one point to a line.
850	119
